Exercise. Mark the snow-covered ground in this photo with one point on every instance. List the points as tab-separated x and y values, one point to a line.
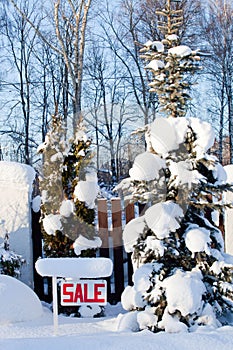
102	333
27	324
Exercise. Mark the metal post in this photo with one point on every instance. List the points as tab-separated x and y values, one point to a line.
55	306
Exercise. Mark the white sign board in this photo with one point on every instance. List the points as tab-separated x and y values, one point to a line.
76	292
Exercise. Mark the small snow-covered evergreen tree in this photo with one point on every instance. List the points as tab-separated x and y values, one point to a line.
10	262
67	205
182	277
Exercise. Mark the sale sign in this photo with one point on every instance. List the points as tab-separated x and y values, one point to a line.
83	292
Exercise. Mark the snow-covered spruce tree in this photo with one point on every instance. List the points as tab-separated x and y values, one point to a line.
67	205
182	277
171	64
10	262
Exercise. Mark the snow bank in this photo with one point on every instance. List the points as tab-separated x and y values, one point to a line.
18	302
16	182
74	267
17	173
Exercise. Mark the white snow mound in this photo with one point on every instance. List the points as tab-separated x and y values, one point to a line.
18	302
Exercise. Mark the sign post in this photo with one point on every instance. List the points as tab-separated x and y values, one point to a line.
55	305
79	290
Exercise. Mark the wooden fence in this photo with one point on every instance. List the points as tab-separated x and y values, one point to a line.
111	213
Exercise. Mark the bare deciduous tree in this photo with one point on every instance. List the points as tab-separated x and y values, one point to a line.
70	23
217	25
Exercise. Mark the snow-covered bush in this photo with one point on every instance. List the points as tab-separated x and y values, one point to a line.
10	262
69	189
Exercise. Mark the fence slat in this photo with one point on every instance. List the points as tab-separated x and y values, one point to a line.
104	235
117	247
103	227
129	215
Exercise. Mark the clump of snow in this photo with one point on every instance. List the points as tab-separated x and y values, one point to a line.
89	310
155	245
82	243
180	51
205	136
163	218
229	172
182	173
155	65
18	302
36	203
128	322
218	267
184	291
146	167
207	318
52	223
66	208
198	240
147	318
171	324
74	267
141	277
177	128
158	131
219	173
81	134
172	37
57	157
154	45
87	191
128	298
131	233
